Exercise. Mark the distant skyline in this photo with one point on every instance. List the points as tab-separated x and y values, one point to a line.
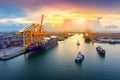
63	14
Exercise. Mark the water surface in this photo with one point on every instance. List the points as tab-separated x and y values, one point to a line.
58	63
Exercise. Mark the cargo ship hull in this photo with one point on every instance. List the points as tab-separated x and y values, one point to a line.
41	48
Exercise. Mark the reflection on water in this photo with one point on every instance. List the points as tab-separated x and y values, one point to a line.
101	56
58	63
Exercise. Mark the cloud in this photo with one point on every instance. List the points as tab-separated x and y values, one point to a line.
21	8
11	26
57	12
111	27
11	13
108	6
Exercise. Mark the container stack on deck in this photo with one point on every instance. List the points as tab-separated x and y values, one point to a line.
42	42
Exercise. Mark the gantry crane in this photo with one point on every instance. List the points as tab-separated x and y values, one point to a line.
33	33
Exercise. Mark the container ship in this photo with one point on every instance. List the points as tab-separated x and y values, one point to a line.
40	38
43	44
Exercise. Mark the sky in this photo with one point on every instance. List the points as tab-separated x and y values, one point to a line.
62	14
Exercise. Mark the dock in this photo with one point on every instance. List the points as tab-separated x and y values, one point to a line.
9	53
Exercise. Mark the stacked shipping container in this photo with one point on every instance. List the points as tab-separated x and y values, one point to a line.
10	40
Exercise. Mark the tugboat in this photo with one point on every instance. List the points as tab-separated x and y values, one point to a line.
100	50
78	43
79	58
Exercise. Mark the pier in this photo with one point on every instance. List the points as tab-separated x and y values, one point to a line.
8	53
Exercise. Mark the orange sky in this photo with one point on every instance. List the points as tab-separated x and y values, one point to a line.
57	17
62	13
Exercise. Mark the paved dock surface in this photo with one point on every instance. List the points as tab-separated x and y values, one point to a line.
12	52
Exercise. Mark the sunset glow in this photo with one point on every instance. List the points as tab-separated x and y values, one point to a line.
58	12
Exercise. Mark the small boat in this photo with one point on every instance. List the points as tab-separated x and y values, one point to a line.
78	43
100	50
79	58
